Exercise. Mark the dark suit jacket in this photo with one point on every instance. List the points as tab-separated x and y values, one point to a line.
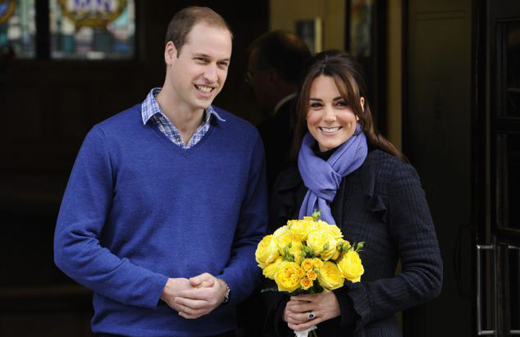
381	203
277	134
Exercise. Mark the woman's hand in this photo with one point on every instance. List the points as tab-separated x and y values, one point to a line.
324	306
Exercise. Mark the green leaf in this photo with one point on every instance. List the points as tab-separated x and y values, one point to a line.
360	245
316	214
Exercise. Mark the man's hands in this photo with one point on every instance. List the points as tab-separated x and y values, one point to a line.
194	297
172	289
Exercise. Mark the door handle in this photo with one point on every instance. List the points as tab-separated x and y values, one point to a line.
480	331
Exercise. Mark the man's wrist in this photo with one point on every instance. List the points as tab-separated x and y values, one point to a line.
166	290
227	292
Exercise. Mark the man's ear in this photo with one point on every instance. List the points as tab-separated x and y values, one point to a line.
170	53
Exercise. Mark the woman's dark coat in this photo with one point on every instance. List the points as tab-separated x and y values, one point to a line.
383	204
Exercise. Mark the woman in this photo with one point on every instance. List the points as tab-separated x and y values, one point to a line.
362	183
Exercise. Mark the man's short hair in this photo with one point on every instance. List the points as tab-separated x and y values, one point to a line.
282	51
184	20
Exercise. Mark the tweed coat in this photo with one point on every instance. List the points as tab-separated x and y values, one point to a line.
383	204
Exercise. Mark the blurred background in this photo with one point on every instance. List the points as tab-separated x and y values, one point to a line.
444	84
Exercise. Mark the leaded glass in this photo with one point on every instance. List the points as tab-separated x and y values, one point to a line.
92	29
17	29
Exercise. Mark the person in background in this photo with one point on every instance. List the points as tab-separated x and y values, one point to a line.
363	184
276	63
167	200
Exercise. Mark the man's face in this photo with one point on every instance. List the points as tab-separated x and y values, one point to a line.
198	72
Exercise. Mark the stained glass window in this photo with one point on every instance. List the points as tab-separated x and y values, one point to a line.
92	29
17	28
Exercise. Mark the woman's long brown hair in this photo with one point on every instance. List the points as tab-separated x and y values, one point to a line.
347	74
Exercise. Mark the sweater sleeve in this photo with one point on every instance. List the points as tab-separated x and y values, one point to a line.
242	273
413	233
77	250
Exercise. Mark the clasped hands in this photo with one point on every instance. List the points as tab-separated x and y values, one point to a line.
196	296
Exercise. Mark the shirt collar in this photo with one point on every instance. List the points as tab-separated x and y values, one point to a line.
150	107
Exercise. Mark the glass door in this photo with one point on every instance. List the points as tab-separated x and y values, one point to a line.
497	258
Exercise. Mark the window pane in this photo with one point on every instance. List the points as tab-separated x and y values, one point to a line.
17	29
361	28
513	68
92	29
509	180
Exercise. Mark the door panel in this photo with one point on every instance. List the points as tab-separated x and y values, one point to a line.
437	140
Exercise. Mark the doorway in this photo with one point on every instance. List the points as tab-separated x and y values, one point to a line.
497	167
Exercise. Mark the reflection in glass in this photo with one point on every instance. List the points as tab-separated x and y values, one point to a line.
361	28
512	69
509	188
83	29
17	29
310	31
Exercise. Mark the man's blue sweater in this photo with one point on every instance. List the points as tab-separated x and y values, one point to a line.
139	209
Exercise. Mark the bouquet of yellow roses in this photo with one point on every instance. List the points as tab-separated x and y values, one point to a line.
309	256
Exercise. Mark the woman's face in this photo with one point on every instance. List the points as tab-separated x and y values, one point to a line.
330	120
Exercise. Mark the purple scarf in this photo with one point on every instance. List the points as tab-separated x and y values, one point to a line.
323	178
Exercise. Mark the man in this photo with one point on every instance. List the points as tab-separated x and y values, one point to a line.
276	64
167	200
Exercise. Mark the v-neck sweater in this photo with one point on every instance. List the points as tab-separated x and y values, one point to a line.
139	209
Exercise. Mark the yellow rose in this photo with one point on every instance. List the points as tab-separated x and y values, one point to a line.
287	276
266	252
270	270
311	275
305	283
343	243
301	228
317	263
336	254
283	236
301	273
333	229
307	264
351	266
296	250
330	253
320	241
330	277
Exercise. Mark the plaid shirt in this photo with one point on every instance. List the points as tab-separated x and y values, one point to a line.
152	112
